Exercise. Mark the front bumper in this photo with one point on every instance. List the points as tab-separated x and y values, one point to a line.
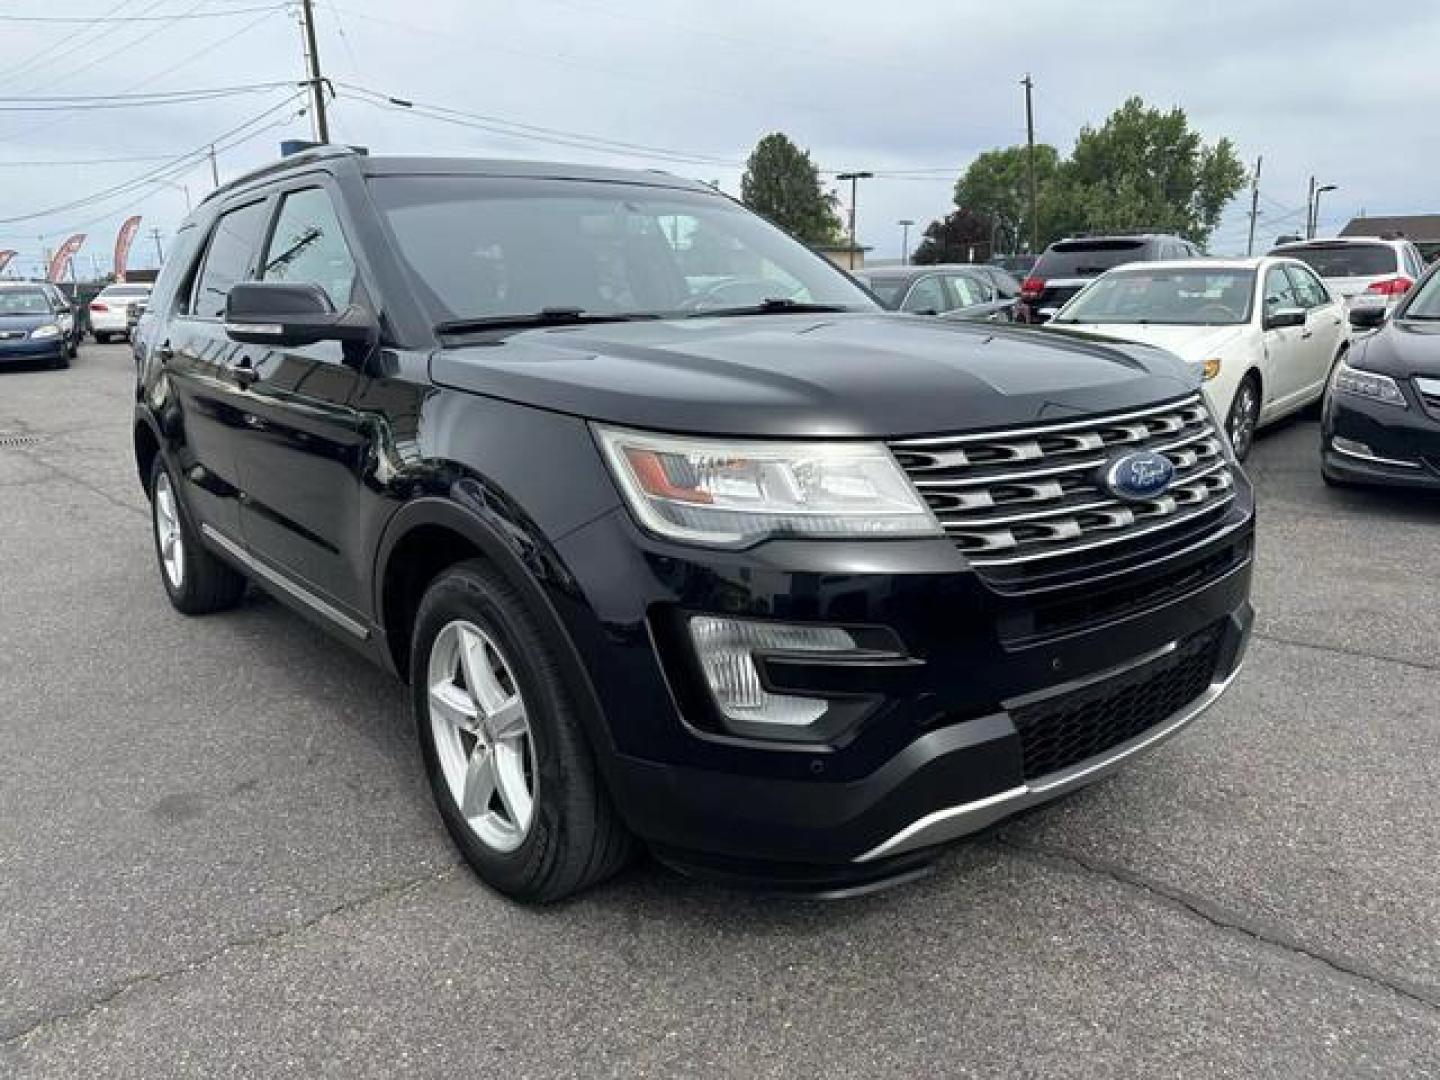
29	351
949	742
1366	442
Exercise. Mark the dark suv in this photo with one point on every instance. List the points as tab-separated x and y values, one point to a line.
675	535
1067	266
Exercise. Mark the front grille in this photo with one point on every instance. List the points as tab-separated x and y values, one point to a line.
1066	730
1030	495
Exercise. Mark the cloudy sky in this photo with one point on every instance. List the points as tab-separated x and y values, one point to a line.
915	88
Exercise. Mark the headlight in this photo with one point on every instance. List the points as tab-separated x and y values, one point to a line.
730	493
1369	385
1210	369
41	333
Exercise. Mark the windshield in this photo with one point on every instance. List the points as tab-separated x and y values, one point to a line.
1189	297
1086	258
24	302
1425	301
1347	260
481	247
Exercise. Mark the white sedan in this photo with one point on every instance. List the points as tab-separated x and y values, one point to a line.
1264	333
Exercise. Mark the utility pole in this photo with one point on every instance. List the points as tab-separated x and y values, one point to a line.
1310	211
159	251
1029	85
854	178
1254	206
312	71
905	224
214	168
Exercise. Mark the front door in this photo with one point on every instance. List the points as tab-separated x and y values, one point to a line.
305	446
1285	346
1325	320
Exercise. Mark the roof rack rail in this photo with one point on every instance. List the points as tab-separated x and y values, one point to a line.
316	153
1091	233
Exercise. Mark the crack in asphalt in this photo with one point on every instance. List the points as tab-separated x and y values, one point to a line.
1342	650
14	1039
1222	919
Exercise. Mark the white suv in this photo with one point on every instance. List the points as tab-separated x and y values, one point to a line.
108	310
1362	269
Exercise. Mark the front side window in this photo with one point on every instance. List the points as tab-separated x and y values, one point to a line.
482	247
1174	297
1308	289
967	291
1279	291
229	258
308	246
927	295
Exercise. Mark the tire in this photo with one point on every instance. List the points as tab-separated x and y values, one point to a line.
1244	417
571	837
101	337
196	581
73	349
61	362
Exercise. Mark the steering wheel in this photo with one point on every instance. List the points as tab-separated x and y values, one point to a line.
738	292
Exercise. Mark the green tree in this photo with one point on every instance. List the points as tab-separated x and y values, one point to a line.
1144	168
954	238
997	186
782	184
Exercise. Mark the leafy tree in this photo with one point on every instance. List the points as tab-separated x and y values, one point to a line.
1146	168
997	186
954	237
782	184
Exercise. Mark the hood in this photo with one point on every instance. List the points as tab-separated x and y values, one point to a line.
1400	349
1190	343
859	374
11	323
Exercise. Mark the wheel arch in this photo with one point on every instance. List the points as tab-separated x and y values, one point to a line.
146	438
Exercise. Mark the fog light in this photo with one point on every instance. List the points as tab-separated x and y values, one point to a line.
727	649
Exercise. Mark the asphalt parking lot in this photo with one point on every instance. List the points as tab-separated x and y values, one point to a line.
218	854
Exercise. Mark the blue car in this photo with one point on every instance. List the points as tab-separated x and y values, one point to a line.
33	326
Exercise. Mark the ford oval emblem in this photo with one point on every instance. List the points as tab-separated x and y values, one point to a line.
1138	475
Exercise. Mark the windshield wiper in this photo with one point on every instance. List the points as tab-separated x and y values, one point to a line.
549	316
775	305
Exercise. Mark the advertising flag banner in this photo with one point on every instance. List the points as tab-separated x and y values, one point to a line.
122	245
5	257
61	260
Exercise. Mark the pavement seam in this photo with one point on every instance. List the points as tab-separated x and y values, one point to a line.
1341	650
84	484
264	938
1223	919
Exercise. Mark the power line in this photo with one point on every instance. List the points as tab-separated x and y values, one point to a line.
127	19
133	101
84	161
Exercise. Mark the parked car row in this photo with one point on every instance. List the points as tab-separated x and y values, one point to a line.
954	291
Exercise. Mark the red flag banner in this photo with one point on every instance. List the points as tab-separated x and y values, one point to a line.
61	260
5	257
122	245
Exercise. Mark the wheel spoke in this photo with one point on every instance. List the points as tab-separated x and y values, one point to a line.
507	721
454	707
510	782
479	671
479	782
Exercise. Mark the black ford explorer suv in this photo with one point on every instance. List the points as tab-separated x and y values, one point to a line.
677	537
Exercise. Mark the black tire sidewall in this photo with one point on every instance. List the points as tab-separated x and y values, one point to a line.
471	593
1247	383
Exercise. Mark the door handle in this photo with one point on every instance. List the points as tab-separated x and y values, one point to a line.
244	373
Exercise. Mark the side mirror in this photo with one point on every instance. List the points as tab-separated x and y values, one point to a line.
1367	317
285	314
1283	317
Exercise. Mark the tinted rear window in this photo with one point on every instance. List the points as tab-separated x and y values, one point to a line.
1087	258
1347	260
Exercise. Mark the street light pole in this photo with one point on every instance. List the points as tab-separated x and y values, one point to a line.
1315	213
854	178
905	224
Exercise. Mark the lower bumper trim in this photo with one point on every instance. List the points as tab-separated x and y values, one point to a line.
953	822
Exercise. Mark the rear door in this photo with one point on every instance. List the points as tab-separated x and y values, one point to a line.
198	360
304	447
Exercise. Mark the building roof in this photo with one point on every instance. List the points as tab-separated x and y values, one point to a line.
1418	227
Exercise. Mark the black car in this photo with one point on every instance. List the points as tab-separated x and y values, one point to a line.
1067	266
677	537
958	291
1381	423
36	325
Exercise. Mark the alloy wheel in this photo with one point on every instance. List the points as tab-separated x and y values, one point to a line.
1243	414
482	735
168	536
